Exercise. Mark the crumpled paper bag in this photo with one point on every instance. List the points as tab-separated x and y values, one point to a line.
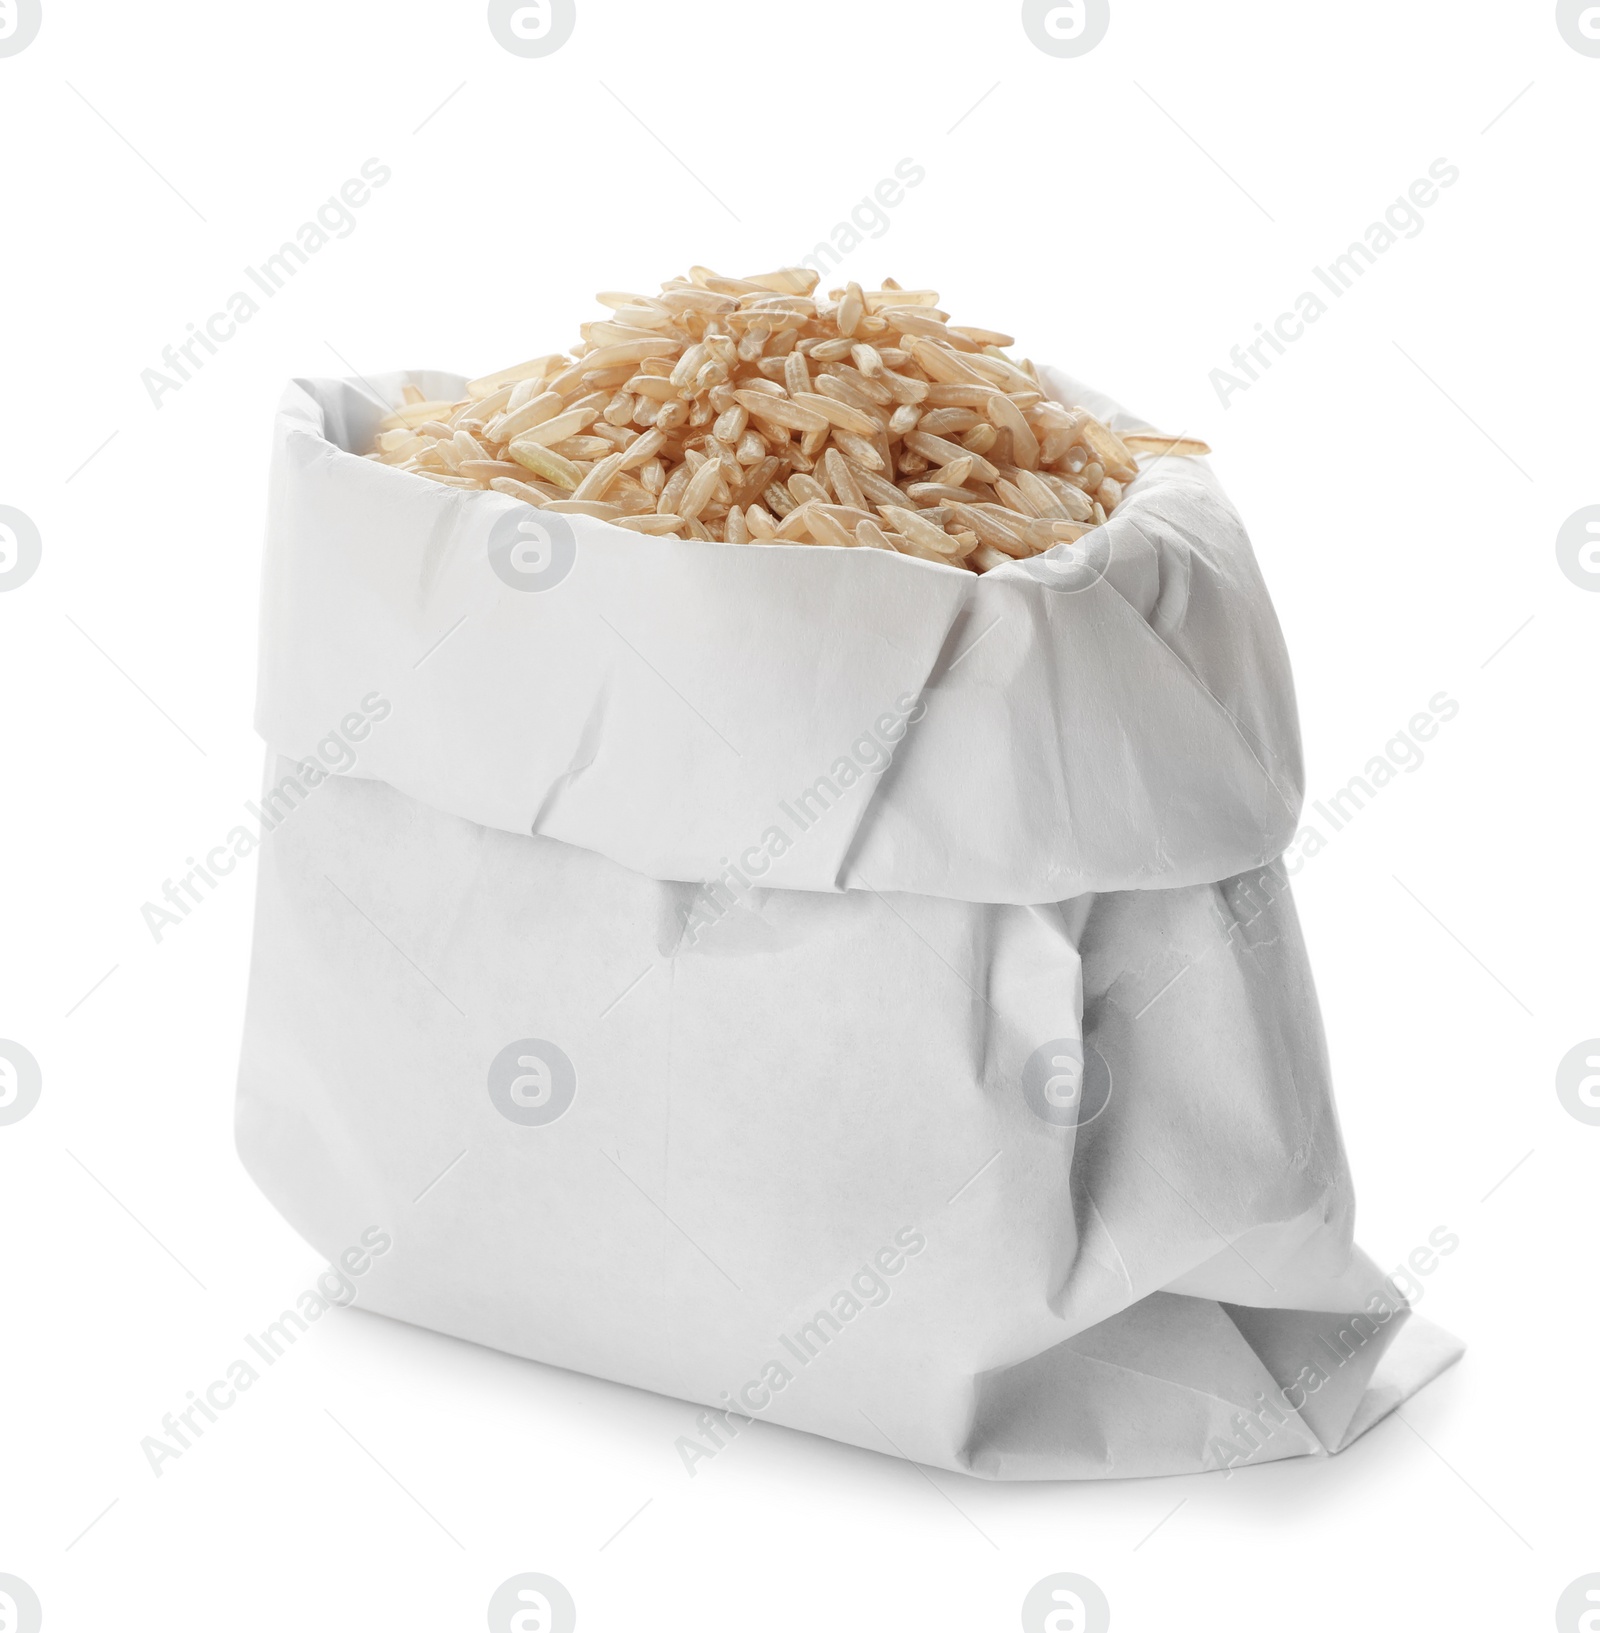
825	986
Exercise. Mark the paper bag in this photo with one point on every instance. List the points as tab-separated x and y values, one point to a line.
829	987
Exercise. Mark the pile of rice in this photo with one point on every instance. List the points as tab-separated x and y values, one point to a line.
750	411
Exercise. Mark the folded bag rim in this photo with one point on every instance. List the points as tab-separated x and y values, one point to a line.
1088	731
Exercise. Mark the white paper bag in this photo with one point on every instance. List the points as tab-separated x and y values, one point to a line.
833	988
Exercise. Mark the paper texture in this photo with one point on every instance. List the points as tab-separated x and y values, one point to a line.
987	1125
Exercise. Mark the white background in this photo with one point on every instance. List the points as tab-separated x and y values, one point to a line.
1130	215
